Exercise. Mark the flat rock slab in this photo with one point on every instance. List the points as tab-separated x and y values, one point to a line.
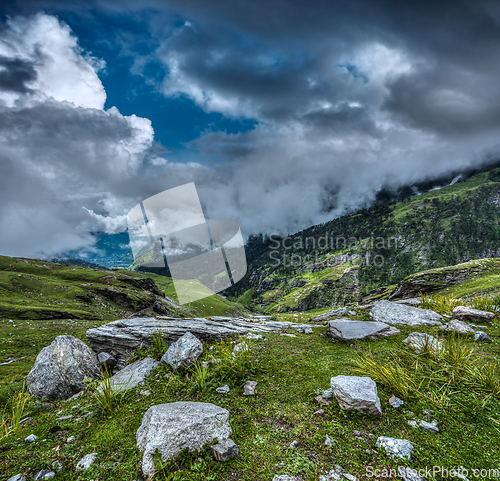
172	427
126	335
394	313
354	392
348	330
411	301
468	314
132	375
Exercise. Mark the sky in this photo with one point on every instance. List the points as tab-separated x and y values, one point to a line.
285	114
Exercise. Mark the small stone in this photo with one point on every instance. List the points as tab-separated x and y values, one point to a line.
284	477
321	401
107	360
481	336
145	392
18	477
249	388
57	466
328	441
71	439
223	390
288	335
44	474
328	393
224	450
396	448
31	438
420	340
294	444
395	402
319	412
75	406
86	462
64	418
413	424
307	330
251	335
428	426
25	420
350	477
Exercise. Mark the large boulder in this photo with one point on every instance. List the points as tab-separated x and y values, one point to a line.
468	314
348	330
132	375
359	393
170	428
60	369
183	352
394	313
126	335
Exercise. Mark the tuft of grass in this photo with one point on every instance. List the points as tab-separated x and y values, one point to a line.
9	419
107	394
159	347
439	303
200	374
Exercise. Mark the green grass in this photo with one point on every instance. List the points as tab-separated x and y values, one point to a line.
290	373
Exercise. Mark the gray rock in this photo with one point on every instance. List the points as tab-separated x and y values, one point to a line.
349	477
132	375
481	336
342	311
242	346
428	426
359	393
251	335
284	477
319	412
71	439
223	390
327	394
25	420
458	327
61	367
18	477
145	392
394	313
412	301
328	441
413	424
249	388
348	330
224	450
305	330
127	335
396	448
86	462
183	352
44	474
107	360
409	474
395	402
294	444
31	438
65	418
173	427
418	341
475	315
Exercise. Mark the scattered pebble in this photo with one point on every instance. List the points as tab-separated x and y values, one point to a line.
31	438
294	444
395	402
328	441
223	390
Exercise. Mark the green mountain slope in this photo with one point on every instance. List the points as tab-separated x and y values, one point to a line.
345	259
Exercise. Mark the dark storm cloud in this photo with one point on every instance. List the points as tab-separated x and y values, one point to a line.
15	74
347	97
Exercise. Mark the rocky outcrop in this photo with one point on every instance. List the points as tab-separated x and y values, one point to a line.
464	313
126	335
394	313
359	393
184	352
170	428
348	330
60	369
